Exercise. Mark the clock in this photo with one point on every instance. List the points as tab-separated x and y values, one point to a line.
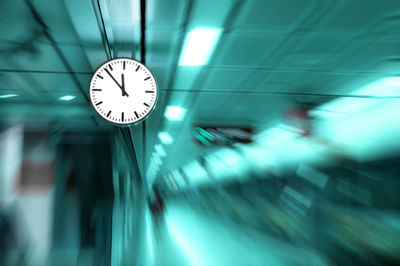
123	91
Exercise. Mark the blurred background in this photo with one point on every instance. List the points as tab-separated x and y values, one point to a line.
275	139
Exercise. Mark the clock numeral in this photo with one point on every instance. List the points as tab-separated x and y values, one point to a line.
137	68
108	114
124	65
99	76
96	90
109	65
136	115
149	91
98	103
146	104
122	116
146	78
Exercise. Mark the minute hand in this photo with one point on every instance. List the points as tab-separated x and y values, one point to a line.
120	86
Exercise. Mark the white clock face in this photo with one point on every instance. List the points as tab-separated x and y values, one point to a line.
123	91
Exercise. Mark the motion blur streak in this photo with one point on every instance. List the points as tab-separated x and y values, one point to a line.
186	245
275	139
149	238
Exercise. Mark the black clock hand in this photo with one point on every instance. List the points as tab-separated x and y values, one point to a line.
115	81
123	86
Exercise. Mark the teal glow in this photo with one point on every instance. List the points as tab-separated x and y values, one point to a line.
199	45
178	178
384	87
157	159
233	162
5	96
184	243
159	148
203	136
165	137
149	236
341	107
175	113
346	106
276	135
372	133
67	98
172	182
195	172
216	167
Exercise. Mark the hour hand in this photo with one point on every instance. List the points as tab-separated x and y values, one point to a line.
123	86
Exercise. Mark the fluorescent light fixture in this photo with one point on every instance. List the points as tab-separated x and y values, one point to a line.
175	113
160	150
199	45
165	137
4	96
67	98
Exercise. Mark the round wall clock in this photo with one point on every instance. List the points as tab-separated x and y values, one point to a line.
123	91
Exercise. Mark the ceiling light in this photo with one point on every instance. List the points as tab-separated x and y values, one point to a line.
160	150
175	113
165	137
67	98
4	96
199	45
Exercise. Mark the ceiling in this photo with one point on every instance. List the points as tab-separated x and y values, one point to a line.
271	53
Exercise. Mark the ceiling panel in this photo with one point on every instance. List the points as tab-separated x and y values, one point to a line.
43	57
165	14
206	104
282	14
160	73
55	15
222	79
83	13
76	58
371	55
244	49
22	84
16	21
161	47
307	52
84	81
276	78
358	14
55	81
333	83
275	87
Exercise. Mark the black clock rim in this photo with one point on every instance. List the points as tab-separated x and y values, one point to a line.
138	121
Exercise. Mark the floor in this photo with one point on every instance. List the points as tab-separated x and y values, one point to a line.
187	236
